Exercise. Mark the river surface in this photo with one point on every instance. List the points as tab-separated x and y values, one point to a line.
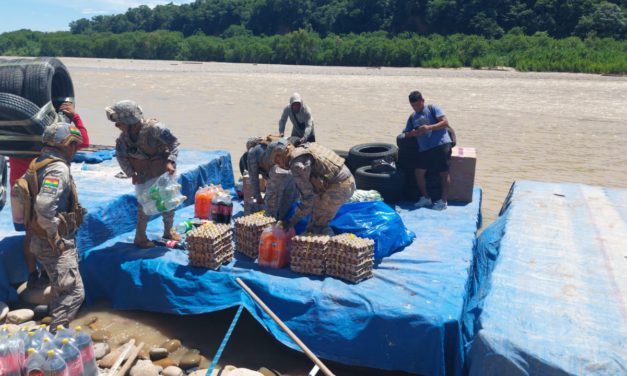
556	127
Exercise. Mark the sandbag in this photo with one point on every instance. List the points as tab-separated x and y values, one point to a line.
377	221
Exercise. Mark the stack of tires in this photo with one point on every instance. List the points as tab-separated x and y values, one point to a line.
31	91
388	184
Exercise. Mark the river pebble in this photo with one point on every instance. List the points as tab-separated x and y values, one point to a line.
145	368
157	353
100	335
20	316
46	320
191	359
165	362
101	349
171	345
173	371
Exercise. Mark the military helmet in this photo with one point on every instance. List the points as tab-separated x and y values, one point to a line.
126	111
61	134
275	147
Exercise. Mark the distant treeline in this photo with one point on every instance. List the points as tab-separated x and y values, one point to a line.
489	18
538	52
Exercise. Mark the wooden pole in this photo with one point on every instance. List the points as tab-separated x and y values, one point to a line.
131	359
287	330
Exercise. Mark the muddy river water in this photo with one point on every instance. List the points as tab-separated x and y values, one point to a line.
540	126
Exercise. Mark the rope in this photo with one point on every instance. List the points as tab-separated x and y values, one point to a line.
226	338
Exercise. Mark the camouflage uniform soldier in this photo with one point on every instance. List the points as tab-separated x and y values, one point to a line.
324	182
54	219
281	191
146	149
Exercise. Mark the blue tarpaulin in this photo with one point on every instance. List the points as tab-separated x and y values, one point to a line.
111	206
556	300
407	317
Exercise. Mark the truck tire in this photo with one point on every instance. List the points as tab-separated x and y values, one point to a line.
13	107
11	79
47	79
390	185
363	154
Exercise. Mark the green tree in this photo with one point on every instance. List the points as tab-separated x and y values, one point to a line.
607	20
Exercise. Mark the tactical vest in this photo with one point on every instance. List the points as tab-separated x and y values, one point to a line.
325	167
156	157
69	221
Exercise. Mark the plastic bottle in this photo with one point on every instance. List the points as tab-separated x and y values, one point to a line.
85	345
54	365
184	227
47	345
11	356
35	363
173	203
265	246
202	204
42	332
72	357
62	333
32	341
275	246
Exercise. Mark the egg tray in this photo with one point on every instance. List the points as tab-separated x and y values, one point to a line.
210	245
248	231
308	254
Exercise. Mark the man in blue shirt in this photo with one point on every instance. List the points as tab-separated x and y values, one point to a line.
428	125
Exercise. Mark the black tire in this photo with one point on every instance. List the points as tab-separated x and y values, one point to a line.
364	154
62	85
342	153
11	79
390	185
47	79
13	107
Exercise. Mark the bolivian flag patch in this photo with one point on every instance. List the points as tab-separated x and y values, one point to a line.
50	186
51	182
75	131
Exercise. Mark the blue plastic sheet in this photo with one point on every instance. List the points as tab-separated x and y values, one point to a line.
93	157
549	293
408	317
377	221
111	206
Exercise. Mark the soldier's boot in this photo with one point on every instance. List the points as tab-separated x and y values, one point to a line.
141	240
168	230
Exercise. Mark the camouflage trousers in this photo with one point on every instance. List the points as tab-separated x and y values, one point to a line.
67	293
327	204
142	224
281	193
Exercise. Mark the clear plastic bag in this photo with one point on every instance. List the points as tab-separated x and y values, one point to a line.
160	194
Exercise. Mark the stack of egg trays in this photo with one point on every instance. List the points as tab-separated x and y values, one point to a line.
350	258
248	231
309	254
210	245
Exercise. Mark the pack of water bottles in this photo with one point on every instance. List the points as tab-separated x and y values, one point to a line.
160	194
37	352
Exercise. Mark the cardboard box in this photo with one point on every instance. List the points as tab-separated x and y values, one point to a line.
463	164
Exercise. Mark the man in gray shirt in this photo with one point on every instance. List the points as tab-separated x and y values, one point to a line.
302	121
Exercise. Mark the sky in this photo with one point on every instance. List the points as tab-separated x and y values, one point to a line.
56	15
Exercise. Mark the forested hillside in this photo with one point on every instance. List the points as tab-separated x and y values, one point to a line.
489	18
544	35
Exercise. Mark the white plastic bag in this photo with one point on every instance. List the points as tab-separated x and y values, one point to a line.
160	194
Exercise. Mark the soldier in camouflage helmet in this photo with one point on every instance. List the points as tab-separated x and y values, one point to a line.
56	216
322	179
146	149
281	191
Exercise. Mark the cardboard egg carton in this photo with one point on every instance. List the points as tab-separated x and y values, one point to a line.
309	254
350	258
248	231
210	245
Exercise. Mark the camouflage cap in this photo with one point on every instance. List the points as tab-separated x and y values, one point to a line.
252	142
126	111
61	134
275	147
